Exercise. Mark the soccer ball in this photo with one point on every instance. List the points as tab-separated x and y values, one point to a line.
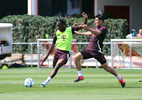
29	82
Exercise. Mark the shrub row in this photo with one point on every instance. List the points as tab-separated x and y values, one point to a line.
29	28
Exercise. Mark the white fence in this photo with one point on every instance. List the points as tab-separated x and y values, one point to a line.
31	43
35	43
109	59
127	52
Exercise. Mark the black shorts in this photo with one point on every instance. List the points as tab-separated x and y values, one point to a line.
97	55
60	54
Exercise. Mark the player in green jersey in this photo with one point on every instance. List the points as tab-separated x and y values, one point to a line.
63	38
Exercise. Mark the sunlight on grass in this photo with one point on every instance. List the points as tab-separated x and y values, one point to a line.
97	85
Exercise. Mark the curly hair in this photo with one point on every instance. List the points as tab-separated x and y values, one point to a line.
62	21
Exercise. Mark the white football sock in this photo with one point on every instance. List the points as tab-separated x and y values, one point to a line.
80	73
119	77
46	81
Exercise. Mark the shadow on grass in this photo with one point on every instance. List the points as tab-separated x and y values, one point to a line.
85	85
132	87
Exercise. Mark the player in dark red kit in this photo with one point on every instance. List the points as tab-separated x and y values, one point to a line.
94	48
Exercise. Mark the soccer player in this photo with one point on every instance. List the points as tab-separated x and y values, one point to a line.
94	48
63	39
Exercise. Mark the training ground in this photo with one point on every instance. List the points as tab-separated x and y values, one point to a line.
97	85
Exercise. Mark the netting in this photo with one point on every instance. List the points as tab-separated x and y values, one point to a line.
126	53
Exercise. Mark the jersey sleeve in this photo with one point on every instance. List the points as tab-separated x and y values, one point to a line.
54	38
103	29
76	28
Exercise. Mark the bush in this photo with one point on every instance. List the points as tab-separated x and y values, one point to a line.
29	28
117	29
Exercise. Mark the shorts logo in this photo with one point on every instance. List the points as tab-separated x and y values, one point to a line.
63	37
103	57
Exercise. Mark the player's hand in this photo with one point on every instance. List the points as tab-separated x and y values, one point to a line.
76	32
84	15
84	26
43	60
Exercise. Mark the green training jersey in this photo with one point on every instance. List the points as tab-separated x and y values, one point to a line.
64	39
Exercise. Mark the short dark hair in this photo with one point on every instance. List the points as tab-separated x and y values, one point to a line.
100	17
62	21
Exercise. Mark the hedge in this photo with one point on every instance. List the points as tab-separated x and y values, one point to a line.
29	28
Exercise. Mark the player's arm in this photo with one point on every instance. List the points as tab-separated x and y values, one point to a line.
85	21
91	30
50	49
86	33
49	52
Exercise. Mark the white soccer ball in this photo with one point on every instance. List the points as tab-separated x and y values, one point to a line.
29	82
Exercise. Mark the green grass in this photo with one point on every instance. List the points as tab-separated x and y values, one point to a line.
97	85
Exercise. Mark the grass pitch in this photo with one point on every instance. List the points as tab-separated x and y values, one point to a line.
97	85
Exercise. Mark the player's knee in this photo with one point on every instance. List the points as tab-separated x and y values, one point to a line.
76	58
56	68
59	65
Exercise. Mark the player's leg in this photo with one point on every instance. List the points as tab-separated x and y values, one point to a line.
104	64
84	54
77	59
59	64
56	57
109	69
56	66
54	62
60	58
112	71
49	78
